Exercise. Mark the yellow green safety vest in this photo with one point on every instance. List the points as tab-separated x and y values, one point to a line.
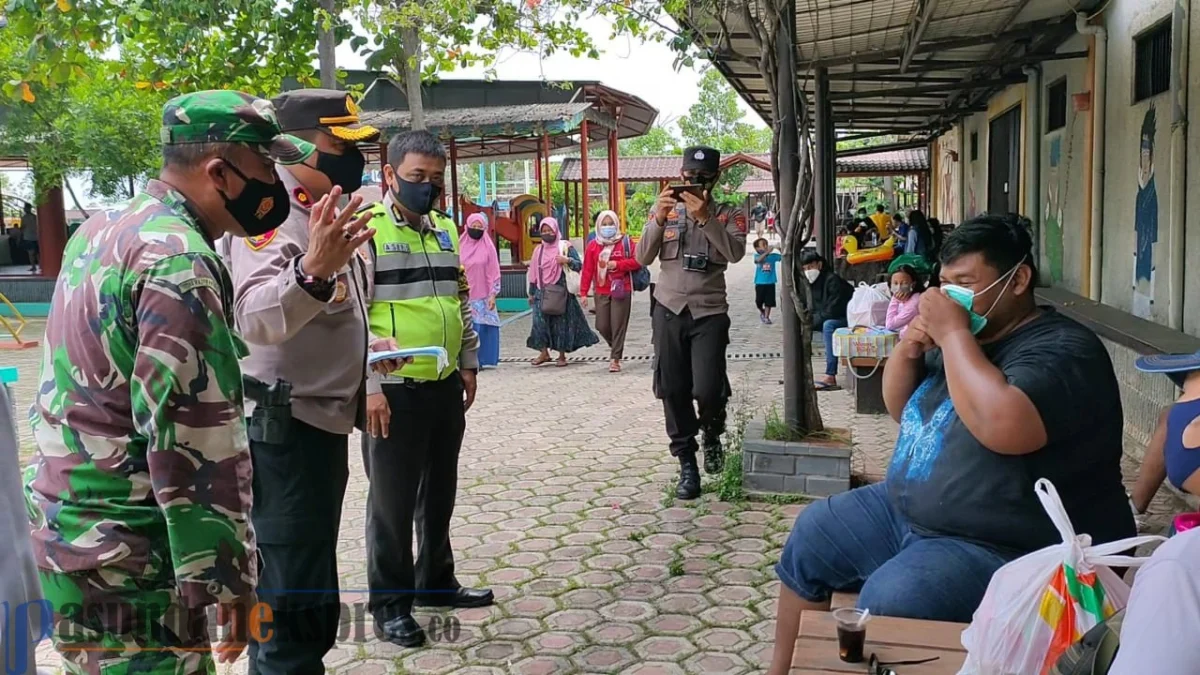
416	290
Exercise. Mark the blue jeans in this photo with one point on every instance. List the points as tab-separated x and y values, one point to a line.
827	328
857	541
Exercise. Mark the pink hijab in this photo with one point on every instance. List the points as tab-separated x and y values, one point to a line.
480	260
544	269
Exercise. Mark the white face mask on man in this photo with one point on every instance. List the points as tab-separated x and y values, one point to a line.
812	275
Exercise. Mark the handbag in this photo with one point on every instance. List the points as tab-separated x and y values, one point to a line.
554	296
641	278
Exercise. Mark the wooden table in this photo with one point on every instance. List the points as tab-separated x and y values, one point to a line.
891	638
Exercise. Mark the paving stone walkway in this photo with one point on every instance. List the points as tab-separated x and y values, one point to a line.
565	510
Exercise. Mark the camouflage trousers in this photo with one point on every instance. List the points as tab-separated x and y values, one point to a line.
109	623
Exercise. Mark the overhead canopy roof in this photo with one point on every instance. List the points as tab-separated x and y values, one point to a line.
493	119
898	66
655	169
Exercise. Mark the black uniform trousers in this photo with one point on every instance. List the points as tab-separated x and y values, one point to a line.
414	478
298	491
690	367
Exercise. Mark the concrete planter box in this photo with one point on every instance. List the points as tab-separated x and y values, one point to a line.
818	467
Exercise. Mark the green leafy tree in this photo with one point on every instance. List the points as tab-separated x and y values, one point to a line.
717	121
100	123
416	40
175	45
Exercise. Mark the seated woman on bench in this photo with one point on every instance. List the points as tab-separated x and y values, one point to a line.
991	393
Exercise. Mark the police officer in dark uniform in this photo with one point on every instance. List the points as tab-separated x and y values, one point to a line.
300	301
694	239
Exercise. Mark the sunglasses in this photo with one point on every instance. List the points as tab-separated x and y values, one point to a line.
877	667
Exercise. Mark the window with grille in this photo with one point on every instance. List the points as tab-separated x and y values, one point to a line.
974	145
1056	105
1152	62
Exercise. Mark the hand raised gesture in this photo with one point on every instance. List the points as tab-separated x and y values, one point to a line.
333	237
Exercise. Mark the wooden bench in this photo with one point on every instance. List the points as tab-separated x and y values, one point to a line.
843	599
892	639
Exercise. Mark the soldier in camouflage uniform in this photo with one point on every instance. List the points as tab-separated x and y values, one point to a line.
140	490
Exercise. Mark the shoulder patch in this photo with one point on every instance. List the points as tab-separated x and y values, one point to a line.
739	220
188	285
260	242
302	197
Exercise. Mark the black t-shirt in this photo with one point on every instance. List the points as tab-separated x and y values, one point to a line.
946	483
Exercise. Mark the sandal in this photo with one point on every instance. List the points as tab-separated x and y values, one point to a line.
614	367
825	386
561	363
540	361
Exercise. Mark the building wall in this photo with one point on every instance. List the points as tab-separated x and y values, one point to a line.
1136	206
1191	292
1063	174
947	164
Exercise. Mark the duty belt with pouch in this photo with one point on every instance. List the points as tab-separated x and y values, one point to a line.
272	416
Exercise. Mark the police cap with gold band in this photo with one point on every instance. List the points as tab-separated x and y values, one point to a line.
226	116
329	110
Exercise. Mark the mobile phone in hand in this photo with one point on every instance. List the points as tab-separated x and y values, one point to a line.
678	190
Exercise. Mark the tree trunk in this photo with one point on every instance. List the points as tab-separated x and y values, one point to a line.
799	403
409	69
326	56
74	199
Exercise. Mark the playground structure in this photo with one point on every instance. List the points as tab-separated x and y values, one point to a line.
489	121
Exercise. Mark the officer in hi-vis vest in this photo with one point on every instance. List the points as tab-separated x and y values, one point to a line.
416	416
298	290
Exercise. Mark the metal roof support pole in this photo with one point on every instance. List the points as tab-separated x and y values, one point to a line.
546	173
613	179
1179	143
823	178
585	209
537	173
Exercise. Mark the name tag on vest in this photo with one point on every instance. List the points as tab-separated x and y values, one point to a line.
443	239
395	247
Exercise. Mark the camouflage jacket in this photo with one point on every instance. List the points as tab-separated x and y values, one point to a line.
143	465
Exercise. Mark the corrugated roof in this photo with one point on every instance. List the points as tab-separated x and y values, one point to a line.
898	67
505	120
892	161
654	169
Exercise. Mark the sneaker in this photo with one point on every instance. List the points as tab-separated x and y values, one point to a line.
767	320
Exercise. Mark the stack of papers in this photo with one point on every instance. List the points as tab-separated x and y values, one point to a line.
443	359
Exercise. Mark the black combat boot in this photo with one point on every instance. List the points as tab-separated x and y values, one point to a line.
689	477
714	455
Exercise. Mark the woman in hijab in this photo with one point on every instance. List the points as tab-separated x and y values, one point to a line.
482	265
569	331
609	263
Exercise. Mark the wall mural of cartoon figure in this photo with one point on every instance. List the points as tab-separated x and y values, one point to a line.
1145	222
1053	243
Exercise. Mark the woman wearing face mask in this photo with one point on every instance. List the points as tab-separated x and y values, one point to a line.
569	331
906	298
482	265
609	262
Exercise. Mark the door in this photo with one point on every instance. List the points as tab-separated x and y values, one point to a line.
1004	163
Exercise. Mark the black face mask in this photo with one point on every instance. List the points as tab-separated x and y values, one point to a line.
261	207
416	197
475	234
549	238
343	170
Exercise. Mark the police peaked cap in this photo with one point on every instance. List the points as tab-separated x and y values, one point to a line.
702	159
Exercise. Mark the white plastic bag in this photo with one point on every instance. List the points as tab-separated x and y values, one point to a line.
868	306
1039	604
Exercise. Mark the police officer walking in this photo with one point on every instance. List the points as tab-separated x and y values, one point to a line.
300	296
416	417
695	239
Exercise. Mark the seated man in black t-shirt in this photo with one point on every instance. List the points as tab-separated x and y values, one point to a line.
988	400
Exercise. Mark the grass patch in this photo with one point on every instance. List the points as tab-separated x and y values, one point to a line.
675	568
779	430
637	535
